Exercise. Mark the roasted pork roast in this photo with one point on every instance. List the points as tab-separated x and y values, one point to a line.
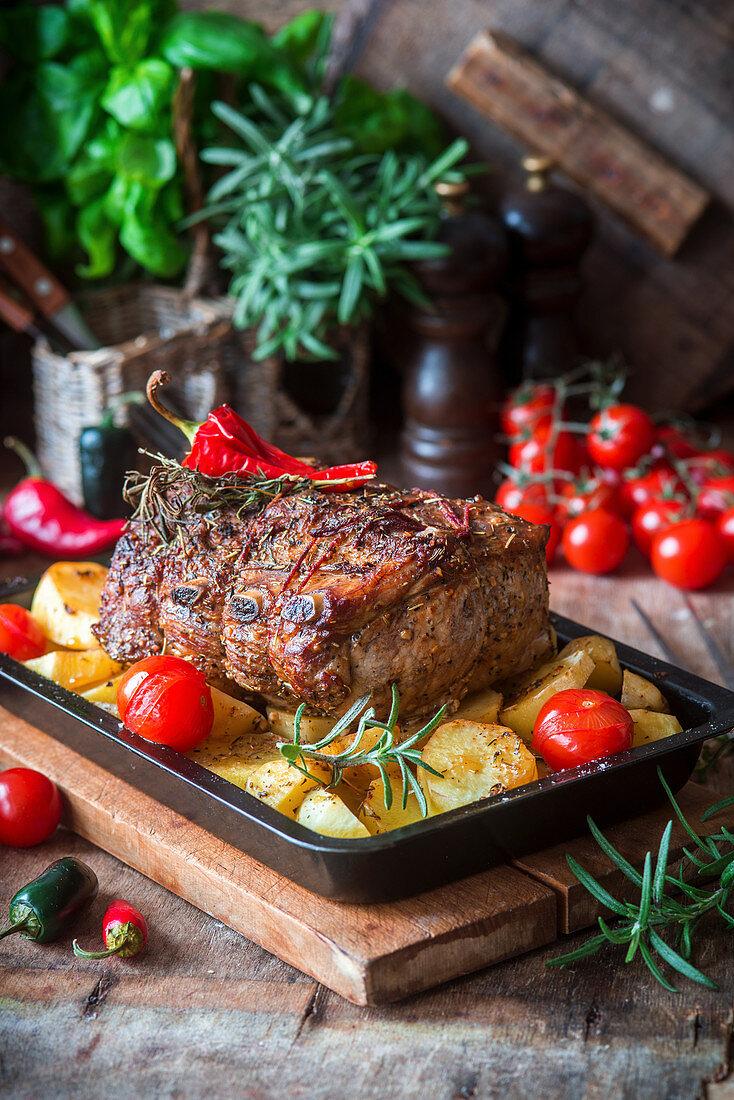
320	598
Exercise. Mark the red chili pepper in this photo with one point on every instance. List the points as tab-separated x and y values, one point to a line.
124	932
39	514
225	443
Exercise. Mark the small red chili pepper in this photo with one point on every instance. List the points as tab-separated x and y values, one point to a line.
39	514
225	443
124	932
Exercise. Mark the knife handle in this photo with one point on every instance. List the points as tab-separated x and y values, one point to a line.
13	312
43	289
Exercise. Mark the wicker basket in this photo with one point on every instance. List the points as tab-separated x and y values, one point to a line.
143	328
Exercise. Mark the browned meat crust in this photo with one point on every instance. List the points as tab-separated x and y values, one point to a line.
323	597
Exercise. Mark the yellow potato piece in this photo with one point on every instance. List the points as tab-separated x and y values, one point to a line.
639	694
313	726
377	818
650	725
234	755
75	670
536	688
282	786
607	675
475	761
66	602
104	694
482	706
233	717
325	813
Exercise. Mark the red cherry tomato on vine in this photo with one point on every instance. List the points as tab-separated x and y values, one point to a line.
662	481
579	725
619	436
652	518
20	635
595	542
526	408
690	554
676	442
30	807
534	456
586	495
166	700
511	495
544	515
715	496
725	527
706	465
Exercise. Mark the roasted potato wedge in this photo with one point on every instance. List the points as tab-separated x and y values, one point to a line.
313	726
606	675
537	687
104	694
482	706
282	786
325	813
640	694
74	670
66	602
475	761
234	755
374	814
650	725
233	717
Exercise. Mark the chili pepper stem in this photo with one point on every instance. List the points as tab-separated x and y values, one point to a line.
82	954
25	454
157	380
17	927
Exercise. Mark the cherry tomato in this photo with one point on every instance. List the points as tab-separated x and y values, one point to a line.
586	495
662	481
716	496
725	527
511	494
706	465
652	518
20	635
542	514
30	807
595	542
619	436
676	442
533	455
526	408
690	554
166	700
579	725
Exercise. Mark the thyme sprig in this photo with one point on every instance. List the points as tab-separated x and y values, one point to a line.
164	499
385	750
641	922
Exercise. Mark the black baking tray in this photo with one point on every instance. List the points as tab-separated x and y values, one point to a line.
416	857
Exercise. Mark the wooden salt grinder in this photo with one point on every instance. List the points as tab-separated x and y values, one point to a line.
549	229
451	379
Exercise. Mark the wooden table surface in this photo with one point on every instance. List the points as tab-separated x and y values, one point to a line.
204	1011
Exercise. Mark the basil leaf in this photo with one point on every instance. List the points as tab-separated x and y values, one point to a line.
138	97
146	159
98	237
34	34
146	235
57	215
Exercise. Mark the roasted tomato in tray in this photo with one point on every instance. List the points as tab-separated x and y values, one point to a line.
579	725
166	700
20	635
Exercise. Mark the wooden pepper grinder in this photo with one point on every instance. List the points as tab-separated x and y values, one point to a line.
451	379
549	229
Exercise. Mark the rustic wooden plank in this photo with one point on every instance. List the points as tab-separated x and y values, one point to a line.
369	954
507	85
633	839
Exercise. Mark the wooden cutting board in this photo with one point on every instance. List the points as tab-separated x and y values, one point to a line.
370	954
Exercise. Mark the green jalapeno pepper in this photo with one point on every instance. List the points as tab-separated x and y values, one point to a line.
107	451
43	909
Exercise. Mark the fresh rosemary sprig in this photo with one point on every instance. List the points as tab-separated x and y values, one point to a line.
641	922
384	751
164	499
